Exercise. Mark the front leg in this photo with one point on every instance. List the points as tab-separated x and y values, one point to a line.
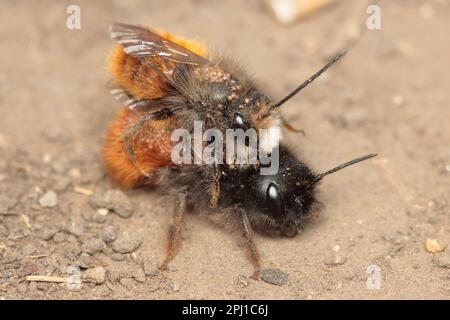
130	134
174	238
248	234
213	185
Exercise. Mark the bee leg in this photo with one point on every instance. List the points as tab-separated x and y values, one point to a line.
214	189
132	154
248	234
129	136
288	126
174	238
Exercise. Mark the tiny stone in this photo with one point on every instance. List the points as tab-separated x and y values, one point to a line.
126	242
59	237
102	211
98	218
274	276
175	287
86	261
93	246
434	246
95	275
242	281
109	234
72	252
119	270
46	158
49	199
114	200
116	256
138	274
151	269
75	226
75	173
126	282
398	100
335	260
28	249
43	286
443	260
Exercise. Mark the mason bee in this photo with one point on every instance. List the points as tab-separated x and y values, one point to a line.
166	82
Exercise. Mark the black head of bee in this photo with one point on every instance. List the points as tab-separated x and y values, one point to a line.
278	204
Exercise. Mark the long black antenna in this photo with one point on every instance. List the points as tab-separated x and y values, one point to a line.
342	166
308	81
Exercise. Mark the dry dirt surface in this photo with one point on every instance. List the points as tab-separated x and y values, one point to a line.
60	213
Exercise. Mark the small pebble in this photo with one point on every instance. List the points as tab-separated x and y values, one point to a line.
120	270
59	237
86	261
109	234
242	281
99	218
116	256
126	242
127	282
443	260
433	246
114	200
93	246
43	286
150	269
274	276
398	100
138	274
102	211
335	260
175	287
46	158
95	275
75	226
72	251
48	199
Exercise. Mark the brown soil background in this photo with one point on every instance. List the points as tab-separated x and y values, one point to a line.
388	95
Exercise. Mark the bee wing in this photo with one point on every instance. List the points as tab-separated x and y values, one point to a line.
141	42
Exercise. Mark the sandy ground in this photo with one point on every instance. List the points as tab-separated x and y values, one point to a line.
388	95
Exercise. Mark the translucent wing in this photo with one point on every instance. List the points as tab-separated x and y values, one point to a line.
169	56
141	42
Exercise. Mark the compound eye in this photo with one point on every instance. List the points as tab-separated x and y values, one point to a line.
274	201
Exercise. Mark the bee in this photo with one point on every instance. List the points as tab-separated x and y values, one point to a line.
167	82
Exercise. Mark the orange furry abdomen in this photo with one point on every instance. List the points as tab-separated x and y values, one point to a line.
151	144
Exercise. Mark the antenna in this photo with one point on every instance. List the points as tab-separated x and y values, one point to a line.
308	81
342	166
